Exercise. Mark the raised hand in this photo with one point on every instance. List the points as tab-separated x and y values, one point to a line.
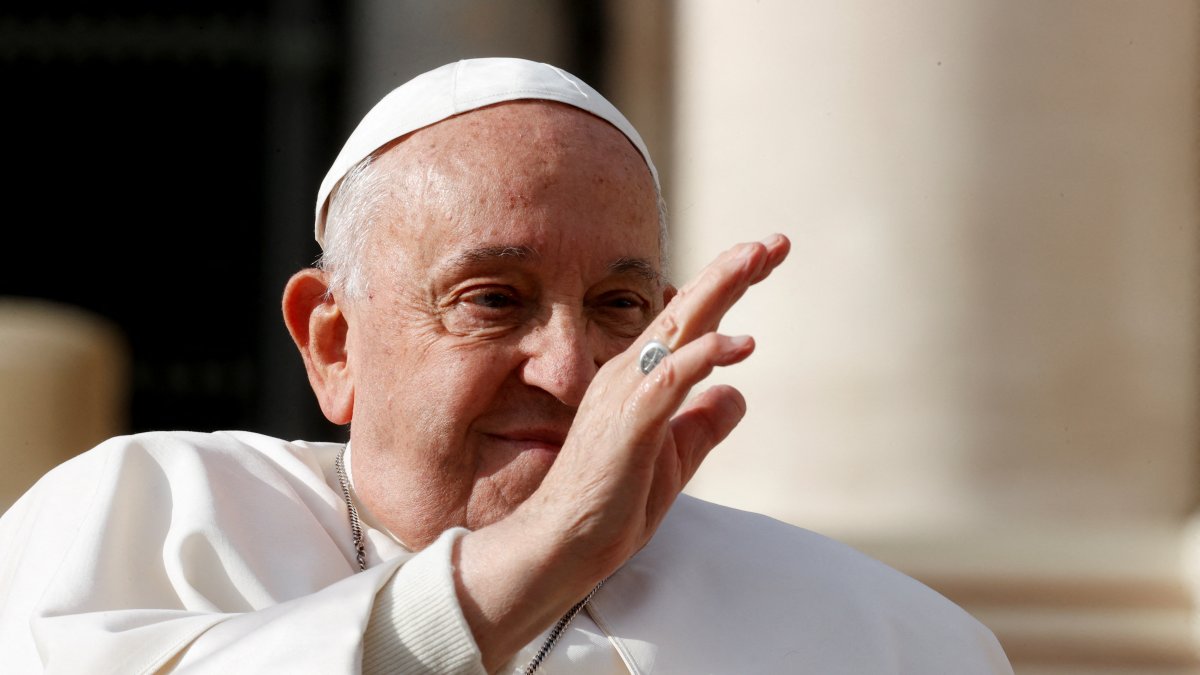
632	448
634	443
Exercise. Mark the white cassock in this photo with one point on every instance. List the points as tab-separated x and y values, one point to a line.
232	553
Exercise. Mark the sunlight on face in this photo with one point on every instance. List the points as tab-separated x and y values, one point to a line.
519	251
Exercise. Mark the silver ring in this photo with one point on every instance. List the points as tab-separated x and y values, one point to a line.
652	353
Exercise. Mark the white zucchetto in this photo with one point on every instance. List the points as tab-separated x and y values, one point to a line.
457	88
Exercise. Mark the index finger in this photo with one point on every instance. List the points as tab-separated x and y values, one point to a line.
699	306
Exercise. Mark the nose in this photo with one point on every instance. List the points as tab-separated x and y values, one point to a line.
559	357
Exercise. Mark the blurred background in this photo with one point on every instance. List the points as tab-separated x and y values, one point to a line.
980	363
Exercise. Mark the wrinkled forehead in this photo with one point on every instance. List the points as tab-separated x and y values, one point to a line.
513	175
461	87
515	138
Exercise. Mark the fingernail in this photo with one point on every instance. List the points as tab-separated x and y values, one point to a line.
741	341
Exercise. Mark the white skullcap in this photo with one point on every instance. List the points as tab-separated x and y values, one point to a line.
457	88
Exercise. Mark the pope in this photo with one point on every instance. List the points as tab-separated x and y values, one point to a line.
492	317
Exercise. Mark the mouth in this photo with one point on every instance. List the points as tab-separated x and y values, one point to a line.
545	440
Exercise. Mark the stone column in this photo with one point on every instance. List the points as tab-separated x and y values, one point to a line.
981	359
64	387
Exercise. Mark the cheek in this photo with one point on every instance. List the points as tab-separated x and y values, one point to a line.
449	386
609	345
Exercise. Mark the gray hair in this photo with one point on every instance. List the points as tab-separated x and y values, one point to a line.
354	206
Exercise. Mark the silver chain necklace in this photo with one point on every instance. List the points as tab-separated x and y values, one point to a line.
360	550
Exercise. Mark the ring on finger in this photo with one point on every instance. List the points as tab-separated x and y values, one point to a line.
652	353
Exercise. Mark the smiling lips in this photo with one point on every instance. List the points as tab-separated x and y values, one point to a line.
548	439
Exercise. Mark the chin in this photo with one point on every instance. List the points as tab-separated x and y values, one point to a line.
496	495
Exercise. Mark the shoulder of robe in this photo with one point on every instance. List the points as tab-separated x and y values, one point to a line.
156	456
157	469
152	538
719	536
785	599
160	471
177	504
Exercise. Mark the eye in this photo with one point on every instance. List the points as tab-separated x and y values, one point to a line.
491	303
492	299
622	313
623	303
485	310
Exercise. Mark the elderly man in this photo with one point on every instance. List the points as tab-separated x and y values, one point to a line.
491	318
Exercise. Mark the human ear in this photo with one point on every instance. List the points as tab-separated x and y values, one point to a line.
319	328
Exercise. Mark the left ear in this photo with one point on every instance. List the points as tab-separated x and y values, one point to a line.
319	329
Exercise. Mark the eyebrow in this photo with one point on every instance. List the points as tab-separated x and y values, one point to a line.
639	267
483	254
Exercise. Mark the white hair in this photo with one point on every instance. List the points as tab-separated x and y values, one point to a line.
354	207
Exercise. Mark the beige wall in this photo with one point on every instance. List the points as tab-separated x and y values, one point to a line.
990	310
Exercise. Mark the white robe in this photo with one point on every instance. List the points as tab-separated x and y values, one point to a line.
231	553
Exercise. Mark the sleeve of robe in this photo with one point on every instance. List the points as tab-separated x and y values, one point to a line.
212	553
